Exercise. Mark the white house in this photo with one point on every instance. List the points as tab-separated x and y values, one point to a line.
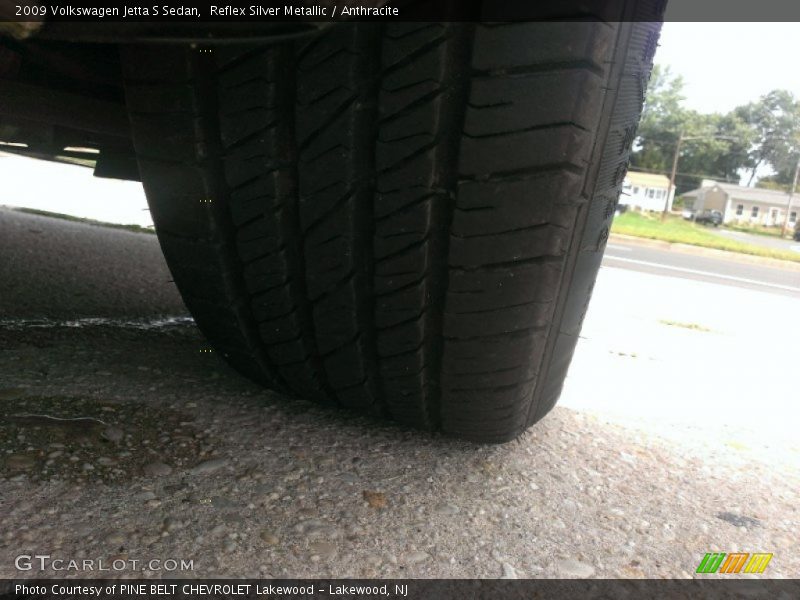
646	191
742	204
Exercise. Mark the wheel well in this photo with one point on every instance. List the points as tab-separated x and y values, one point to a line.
65	102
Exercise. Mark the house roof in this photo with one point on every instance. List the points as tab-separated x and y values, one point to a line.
652	180
740	192
696	191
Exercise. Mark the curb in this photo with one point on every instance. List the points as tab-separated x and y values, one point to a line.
748	259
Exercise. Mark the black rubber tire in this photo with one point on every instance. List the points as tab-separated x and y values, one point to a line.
403	218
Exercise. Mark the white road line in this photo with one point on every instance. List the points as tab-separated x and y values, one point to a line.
706	273
615	247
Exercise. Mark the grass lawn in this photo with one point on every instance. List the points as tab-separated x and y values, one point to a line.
756	229
676	229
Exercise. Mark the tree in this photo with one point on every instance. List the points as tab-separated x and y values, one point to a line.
664	119
758	135
661	122
720	149
774	120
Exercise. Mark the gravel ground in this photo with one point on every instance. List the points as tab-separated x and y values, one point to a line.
159	451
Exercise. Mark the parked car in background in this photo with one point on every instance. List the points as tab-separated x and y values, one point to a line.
688	214
709	217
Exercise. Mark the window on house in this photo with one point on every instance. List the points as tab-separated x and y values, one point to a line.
659	194
793	216
651	193
636	189
754	212
739	209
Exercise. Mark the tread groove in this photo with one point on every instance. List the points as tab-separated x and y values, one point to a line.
287	187
451	118
365	134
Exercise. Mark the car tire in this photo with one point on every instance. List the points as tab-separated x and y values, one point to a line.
405	218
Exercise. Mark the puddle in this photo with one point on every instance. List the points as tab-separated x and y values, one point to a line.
141	324
62	438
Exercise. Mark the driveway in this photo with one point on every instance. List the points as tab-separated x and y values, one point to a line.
765	241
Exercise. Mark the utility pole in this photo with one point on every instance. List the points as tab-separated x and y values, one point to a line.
683	138
672	176
789	203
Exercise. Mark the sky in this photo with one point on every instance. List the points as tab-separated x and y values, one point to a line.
723	65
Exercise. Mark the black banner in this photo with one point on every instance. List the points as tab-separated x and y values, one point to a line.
289	11
397	589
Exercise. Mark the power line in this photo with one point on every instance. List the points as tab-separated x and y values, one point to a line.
700	175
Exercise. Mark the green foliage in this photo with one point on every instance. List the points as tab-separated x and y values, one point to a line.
774	231
676	230
662	119
763	132
775	122
771	182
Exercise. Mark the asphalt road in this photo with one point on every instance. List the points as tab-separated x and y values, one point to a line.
701	268
64	270
674	436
